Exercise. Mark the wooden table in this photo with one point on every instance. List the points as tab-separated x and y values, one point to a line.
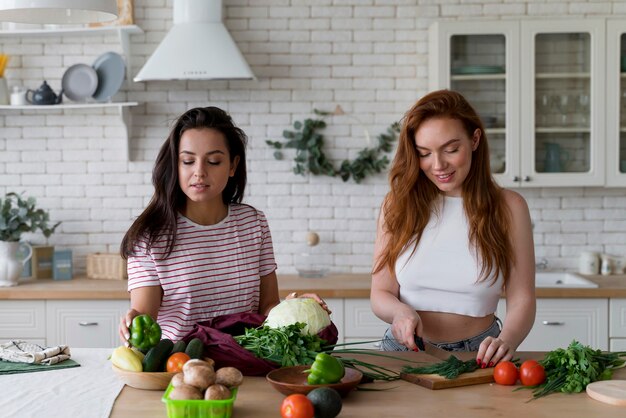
258	399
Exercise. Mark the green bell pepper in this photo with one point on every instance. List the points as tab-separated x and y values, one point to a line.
325	369
145	333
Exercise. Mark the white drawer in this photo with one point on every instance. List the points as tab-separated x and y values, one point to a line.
617	318
360	321
85	323
617	344
559	321
373	345
23	319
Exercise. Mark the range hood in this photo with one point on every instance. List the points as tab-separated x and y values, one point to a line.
197	47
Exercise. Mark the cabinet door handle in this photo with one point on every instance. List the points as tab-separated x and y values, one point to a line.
87	324
377	345
516	179
552	323
526	178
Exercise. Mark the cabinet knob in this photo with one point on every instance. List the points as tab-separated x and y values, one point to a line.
526	178
516	179
87	324
552	323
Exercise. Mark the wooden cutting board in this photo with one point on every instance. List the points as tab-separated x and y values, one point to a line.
434	381
608	391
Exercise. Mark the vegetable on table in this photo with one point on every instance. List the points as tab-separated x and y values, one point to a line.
531	373
175	362
505	373
297	406
299	310
570	370
326	369
125	359
145	333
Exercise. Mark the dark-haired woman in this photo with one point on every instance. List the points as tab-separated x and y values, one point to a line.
196	251
450	240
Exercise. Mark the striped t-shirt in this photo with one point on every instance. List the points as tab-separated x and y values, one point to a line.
213	270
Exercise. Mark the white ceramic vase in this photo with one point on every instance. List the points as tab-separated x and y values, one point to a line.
10	264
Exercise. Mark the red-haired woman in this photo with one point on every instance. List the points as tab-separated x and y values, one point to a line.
450	240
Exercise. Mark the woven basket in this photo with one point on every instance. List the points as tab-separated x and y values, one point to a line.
106	266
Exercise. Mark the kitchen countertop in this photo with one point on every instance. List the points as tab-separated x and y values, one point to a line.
256	398
332	286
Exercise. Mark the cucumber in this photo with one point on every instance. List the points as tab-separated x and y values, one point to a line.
156	357
179	347
195	349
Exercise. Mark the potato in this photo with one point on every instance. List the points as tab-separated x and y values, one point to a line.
185	392
217	392
200	376
229	377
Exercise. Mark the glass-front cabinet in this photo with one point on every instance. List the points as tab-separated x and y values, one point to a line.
538	87
616	103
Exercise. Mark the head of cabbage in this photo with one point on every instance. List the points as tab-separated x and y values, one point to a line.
305	310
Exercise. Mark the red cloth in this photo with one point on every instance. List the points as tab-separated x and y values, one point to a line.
219	344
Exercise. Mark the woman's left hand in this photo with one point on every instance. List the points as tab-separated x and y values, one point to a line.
492	350
294	295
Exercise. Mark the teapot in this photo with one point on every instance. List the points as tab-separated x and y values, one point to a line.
44	95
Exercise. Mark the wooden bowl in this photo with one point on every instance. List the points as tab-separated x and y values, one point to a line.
144	380
288	380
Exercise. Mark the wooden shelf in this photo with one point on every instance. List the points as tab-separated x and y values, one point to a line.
72	31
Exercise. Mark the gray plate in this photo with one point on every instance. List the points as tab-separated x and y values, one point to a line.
79	82
111	72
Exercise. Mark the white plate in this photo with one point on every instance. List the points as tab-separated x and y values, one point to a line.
111	72
79	82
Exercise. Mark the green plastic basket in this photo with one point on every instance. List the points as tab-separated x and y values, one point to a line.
198	409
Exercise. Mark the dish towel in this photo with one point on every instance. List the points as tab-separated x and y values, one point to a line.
24	352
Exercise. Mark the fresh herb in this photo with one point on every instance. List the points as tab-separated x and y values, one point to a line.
286	345
450	368
571	370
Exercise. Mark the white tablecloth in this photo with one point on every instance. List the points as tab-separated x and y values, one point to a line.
88	391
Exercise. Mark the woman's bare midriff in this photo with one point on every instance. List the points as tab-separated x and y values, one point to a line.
440	327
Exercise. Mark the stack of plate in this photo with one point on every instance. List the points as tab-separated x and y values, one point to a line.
100	81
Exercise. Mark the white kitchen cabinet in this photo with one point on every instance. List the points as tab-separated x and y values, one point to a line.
84	323
559	321
616	104
362	325
23	320
539	88
617	324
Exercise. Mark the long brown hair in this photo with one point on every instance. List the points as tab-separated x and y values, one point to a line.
159	217
410	201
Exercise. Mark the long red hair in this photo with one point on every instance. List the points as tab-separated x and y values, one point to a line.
410	201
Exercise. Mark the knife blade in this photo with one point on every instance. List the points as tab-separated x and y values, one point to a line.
432	349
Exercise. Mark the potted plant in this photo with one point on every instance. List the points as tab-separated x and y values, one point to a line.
17	216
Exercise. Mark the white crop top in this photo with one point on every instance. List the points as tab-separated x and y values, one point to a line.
441	274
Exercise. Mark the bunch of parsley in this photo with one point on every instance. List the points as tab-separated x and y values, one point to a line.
286	345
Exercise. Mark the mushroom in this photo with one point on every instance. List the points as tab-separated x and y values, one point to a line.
200	376
185	392
217	392
229	377
190	364
177	380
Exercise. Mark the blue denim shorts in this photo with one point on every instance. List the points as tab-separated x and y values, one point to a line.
389	343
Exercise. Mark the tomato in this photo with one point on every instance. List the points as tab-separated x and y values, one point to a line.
176	361
297	406
505	373
531	373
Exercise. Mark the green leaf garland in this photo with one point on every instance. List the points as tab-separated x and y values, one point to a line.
310	156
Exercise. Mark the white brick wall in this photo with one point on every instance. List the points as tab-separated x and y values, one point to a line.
369	56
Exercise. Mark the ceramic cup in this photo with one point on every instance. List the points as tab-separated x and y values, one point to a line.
18	96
